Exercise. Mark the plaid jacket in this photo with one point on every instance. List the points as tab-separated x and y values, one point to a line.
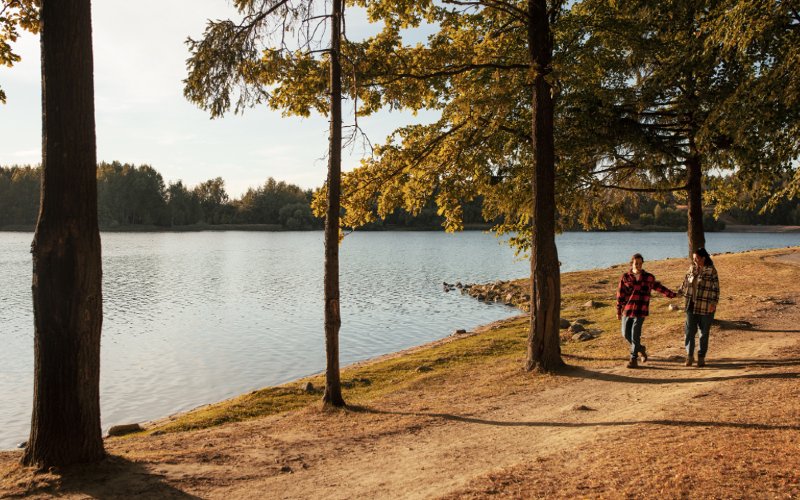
707	289
633	297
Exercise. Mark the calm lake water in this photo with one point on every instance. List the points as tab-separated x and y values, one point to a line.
192	318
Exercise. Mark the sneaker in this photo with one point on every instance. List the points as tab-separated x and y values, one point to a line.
701	361
689	360
643	354
632	363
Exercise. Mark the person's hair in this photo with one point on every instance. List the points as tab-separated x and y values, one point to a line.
702	252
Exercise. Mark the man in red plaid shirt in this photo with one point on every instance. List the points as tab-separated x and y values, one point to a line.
633	305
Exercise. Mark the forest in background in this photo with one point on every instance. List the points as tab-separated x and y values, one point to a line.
131	197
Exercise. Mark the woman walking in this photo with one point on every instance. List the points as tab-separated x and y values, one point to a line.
701	289
633	305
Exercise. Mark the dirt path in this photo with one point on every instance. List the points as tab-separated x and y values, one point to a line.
449	452
591	431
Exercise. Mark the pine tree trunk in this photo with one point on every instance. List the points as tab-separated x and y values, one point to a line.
544	349
333	320
696	232
67	294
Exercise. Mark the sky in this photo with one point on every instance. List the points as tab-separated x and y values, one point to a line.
143	118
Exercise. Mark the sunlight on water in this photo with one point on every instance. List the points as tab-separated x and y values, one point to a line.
192	318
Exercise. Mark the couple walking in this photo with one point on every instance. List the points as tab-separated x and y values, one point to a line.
701	291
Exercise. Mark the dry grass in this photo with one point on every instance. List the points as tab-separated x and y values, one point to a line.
741	440
439	365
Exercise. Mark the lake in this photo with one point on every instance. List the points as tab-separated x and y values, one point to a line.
193	318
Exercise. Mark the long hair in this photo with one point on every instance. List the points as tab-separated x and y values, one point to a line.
702	252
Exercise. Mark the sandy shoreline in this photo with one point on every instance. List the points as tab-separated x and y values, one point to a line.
735	228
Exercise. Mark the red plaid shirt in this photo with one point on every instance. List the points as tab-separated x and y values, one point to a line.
633	297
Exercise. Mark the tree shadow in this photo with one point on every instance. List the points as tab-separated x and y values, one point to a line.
506	423
112	478
594	358
725	324
721	363
736	324
724	363
738	363
580	372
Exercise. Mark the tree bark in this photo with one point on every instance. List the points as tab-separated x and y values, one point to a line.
544	349
67	274
696	232
333	386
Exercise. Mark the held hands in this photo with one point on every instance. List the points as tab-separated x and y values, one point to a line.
712	308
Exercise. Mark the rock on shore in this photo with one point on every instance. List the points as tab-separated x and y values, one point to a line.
517	294
509	293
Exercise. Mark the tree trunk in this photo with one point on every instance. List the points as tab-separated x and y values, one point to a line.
696	233
67	275
544	349
333	320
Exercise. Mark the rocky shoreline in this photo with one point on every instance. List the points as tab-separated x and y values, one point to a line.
510	293
515	293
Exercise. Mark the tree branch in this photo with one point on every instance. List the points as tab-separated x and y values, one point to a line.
500	5
644	190
520	134
796	16
416	160
447	72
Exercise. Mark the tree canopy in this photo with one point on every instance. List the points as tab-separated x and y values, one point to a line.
641	91
15	15
764	121
678	107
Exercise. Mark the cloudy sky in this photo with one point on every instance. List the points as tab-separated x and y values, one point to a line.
142	117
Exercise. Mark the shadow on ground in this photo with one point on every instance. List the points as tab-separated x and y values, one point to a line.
113	478
507	423
580	372
721	363
724	324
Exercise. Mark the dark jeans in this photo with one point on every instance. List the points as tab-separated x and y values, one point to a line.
693	322
632	332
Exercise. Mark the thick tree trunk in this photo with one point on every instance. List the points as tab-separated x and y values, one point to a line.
696	233
333	320
67	294
544	349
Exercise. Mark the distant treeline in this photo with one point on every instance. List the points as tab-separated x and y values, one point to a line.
129	195
670	212
132	196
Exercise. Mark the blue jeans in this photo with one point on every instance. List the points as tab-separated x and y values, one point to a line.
693	321
632	332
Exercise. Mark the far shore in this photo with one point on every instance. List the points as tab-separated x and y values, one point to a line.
730	228
734	228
